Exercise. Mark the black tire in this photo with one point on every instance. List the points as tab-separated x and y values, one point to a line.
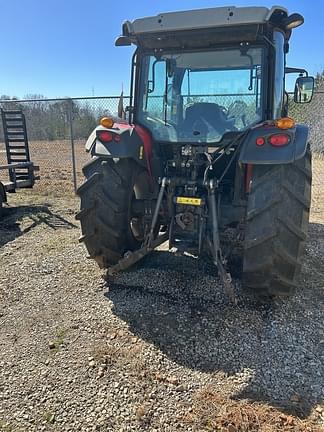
106	208
276	227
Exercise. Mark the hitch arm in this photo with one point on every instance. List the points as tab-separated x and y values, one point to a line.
131	258
215	244
164	182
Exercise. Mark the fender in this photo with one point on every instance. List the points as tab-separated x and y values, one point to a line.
251	153
133	142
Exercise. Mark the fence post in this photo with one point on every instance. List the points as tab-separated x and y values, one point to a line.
70	116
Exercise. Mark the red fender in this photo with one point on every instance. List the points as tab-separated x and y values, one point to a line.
147	144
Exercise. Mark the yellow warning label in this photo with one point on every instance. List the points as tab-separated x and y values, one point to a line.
141	152
189	201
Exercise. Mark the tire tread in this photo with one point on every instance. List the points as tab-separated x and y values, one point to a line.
276	227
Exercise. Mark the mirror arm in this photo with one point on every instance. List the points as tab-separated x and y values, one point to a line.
166	97
296	70
151	90
244	53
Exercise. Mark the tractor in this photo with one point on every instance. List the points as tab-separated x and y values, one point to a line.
205	156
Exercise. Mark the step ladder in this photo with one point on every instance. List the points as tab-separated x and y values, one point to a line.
17	148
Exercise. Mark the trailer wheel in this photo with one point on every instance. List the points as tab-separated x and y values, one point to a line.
109	225
276	227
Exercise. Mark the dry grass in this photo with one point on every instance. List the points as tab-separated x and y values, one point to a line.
212	412
54	159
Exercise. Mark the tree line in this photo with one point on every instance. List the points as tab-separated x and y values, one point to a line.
50	120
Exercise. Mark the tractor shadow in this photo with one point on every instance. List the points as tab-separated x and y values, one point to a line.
178	304
16	221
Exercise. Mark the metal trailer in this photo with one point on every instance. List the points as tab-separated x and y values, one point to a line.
21	170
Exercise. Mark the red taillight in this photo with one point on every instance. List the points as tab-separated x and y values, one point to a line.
260	141
105	136
116	137
279	140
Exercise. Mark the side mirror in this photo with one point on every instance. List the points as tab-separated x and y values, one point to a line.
304	89
123	41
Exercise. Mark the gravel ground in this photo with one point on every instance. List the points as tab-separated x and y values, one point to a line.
158	348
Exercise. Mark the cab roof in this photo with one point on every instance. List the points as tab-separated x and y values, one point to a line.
151	31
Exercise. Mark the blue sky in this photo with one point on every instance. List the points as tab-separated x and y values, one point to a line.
66	47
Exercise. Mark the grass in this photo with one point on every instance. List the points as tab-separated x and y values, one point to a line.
216	413
59	340
110	354
49	417
5	426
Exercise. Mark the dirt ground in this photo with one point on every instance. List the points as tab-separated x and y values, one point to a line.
160	347
54	159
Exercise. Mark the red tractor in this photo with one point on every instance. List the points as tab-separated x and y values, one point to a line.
208	159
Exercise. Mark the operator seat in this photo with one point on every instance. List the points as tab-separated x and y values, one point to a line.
205	113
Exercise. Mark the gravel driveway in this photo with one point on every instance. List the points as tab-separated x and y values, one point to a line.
159	348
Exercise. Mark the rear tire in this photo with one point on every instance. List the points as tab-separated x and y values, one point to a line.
106	208
276	227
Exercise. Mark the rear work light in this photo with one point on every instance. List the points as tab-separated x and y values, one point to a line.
279	140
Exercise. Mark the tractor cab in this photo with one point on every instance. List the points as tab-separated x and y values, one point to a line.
198	75
199	96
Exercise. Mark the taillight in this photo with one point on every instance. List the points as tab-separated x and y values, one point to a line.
105	136
260	141
278	140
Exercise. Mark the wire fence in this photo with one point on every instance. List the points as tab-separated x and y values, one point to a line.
58	129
